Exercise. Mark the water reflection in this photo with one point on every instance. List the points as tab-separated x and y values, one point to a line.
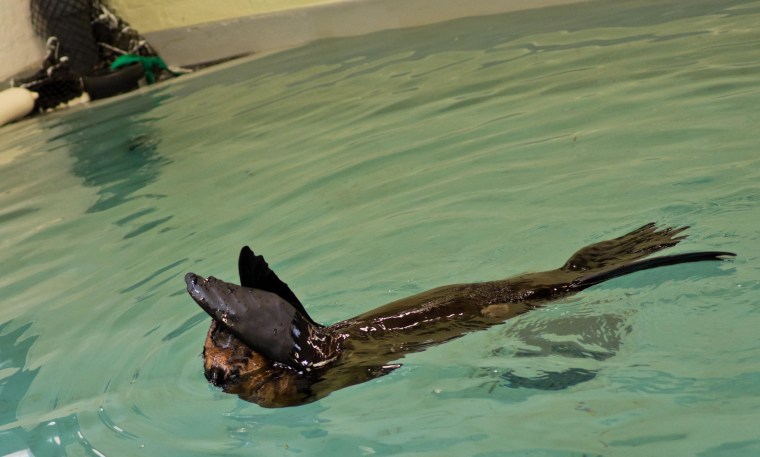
549	355
115	148
58	437
13	356
549	380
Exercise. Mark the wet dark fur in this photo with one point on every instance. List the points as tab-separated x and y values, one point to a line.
369	343
233	366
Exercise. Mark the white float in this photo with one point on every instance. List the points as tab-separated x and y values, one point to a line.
15	103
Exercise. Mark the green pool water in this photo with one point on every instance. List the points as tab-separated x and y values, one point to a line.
371	168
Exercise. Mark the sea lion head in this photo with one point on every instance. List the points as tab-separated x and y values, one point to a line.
230	364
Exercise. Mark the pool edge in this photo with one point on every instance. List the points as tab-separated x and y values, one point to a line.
269	32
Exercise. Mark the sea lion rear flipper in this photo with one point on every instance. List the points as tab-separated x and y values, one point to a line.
255	273
625	249
596	278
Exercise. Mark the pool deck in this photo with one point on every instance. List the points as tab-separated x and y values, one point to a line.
270	31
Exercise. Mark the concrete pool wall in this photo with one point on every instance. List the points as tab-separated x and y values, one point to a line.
273	26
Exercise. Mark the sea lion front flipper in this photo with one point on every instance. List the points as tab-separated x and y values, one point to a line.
255	273
265	322
625	249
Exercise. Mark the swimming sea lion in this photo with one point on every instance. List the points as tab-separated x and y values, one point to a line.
263	346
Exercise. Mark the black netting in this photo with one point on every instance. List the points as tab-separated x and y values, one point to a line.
83	39
69	21
54	92
54	82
